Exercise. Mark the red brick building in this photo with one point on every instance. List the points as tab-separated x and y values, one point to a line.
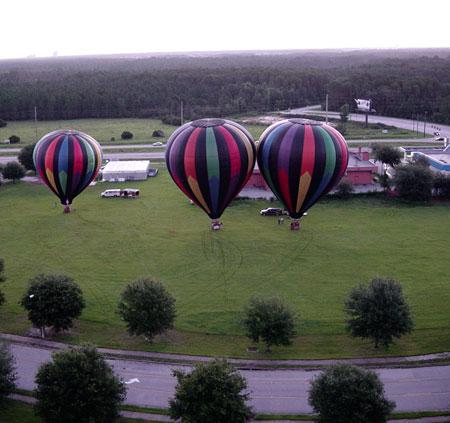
360	170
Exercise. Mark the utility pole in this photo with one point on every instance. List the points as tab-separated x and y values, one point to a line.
35	124
424	124
326	109
181	113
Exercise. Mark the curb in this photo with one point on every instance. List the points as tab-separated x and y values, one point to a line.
311	364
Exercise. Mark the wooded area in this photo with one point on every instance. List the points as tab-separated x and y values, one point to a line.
405	83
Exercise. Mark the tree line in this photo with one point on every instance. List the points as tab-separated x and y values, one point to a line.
78	385
411	86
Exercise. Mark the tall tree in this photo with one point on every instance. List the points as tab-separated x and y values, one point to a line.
13	171
212	392
53	300
147	308
25	157
347	394
379	312
269	319
78	386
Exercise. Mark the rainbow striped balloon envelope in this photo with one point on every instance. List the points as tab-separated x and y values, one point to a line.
301	162
211	160
67	161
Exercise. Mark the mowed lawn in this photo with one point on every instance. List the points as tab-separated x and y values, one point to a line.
106	243
101	129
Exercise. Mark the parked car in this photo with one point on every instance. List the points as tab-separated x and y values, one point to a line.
157	144
273	211
130	193
110	193
152	172
123	193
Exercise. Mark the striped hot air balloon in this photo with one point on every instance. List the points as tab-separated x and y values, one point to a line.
211	160
67	161
301	162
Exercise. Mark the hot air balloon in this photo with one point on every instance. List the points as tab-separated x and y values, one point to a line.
67	161
301	162
211	160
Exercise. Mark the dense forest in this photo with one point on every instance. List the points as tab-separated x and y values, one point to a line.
403	83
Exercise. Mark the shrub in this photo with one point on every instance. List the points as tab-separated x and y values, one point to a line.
345	189
127	135
53	300
413	183
158	133
112	139
147	308
269	319
212	392
7	371
14	171
171	120
14	139
347	394
78	386
379	312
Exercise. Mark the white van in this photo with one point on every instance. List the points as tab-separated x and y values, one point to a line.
111	193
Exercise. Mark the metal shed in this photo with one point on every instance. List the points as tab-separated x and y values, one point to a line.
130	170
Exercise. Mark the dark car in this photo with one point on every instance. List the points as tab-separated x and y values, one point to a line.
272	211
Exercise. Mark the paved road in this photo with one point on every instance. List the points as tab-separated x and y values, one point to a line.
272	391
399	123
111	156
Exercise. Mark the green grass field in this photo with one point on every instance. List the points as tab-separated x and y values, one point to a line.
142	129
106	243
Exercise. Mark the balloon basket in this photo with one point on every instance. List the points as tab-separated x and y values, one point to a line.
295	225
216	225
67	209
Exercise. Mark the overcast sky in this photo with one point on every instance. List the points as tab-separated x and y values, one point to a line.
78	27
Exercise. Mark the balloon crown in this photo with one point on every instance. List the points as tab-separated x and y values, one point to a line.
205	123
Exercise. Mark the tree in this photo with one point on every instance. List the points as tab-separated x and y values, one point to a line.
378	311
147	308
25	157
7	371
78	386
269	319
343	113
14	139
441	185
2	279
347	394
212	392
14	171
53	300
413	182
387	154
3	123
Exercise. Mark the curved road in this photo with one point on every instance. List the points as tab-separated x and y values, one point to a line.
398	122
272	391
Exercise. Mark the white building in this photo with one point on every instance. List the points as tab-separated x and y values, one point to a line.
130	170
